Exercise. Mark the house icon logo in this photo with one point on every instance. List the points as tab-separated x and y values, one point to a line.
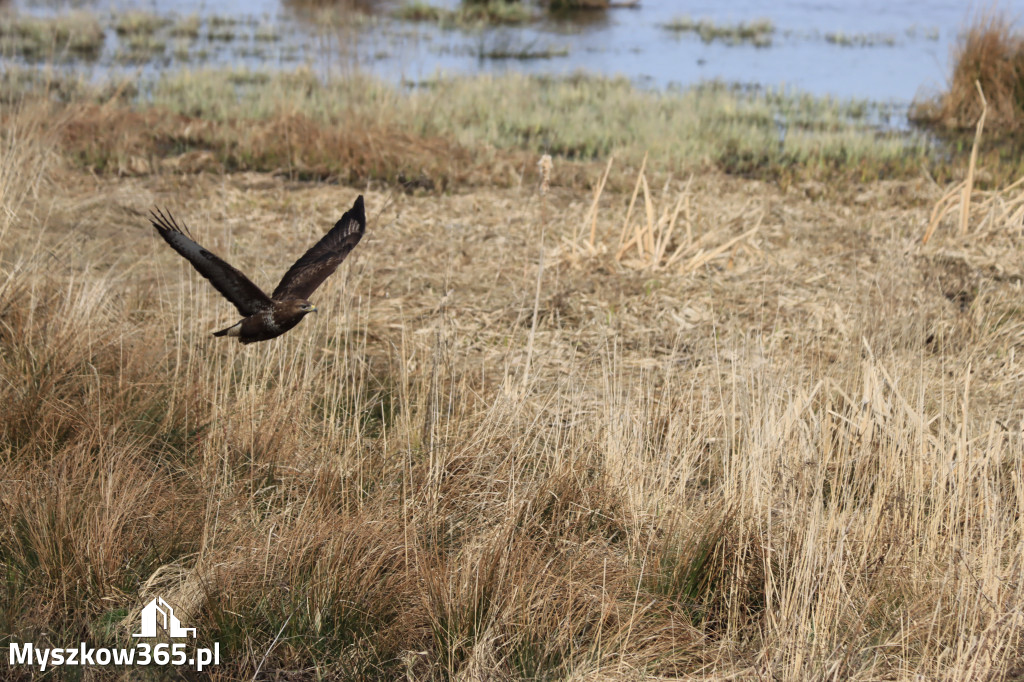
159	613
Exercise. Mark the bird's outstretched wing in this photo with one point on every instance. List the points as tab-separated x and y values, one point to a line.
236	287
319	262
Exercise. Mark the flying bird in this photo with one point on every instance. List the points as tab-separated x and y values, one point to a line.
264	317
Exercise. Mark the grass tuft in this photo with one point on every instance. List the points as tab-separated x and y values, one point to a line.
990	51
467	14
65	36
187	27
860	39
758	32
138	23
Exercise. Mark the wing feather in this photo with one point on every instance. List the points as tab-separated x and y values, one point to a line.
324	257
231	283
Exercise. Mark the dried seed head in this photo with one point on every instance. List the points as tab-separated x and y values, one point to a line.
545	166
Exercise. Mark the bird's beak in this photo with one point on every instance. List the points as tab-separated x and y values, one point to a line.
313	309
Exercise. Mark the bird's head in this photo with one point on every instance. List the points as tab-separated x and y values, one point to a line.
304	307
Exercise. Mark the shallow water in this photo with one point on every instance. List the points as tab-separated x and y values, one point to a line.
887	51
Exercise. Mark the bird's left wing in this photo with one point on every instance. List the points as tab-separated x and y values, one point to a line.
325	256
230	282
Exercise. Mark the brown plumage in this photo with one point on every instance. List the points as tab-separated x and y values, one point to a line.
265	317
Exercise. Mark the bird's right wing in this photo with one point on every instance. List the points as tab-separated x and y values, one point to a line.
232	284
316	265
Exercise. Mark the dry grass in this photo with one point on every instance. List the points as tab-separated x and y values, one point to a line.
985	90
467	14
802	461
63	37
758	32
990	51
457	132
125	142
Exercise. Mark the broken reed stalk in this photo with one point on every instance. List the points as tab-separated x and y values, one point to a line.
629	211
592	213
943	207
998	207
545	166
965	207
1012	211
684	198
536	309
962	191
645	232
651	237
702	258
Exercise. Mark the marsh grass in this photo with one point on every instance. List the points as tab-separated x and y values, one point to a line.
224	29
471	14
141	23
505	48
990	51
493	12
757	32
139	48
744	469
467	15
266	33
419	10
186	27
860	39
576	5
448	132
65	36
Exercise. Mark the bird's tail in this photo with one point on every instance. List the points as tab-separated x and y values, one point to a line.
233	330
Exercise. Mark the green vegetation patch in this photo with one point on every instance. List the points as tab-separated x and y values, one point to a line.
860	39
468	14
758	32
72	35
264	120
266	33
139	23
140	47
572	5
187	27
505	48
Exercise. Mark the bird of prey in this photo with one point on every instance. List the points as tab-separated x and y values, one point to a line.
265	317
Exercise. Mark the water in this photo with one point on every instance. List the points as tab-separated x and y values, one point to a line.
888	51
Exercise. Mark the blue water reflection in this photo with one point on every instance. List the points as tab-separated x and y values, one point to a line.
883	50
